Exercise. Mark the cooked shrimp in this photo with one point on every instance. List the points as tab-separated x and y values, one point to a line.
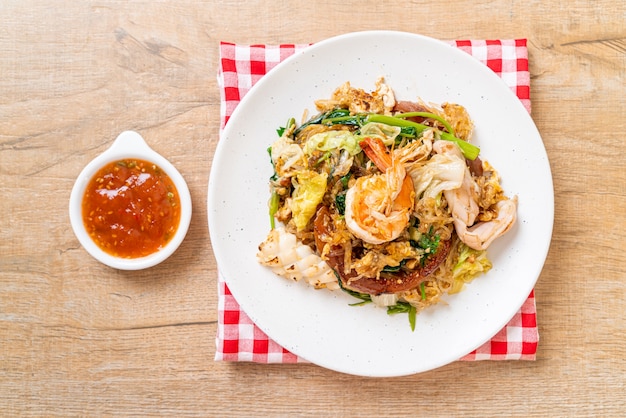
288	257
464	207
378	207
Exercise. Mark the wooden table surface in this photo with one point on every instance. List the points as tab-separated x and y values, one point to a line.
79	338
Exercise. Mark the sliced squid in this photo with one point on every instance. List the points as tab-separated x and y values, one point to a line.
464	207
482	234
287	257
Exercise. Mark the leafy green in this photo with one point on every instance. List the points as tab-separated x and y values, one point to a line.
273	206
340	202
327	118
470	264
429	242
394	269
331	140
281	130
427	115
409	128
364	297
386	133
323	158
403	307
274	176
342	117
408	131
345	179
400	307
470	151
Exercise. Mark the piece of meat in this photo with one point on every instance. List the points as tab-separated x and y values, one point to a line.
475	166
388	282
407	107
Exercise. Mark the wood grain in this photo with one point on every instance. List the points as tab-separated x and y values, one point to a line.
80	339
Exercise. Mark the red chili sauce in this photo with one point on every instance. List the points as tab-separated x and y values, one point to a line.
131	208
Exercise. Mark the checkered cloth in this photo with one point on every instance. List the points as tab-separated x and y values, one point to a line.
238	338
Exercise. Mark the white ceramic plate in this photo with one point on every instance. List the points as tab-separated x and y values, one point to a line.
320	326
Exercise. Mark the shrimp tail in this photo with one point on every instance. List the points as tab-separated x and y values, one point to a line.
376	151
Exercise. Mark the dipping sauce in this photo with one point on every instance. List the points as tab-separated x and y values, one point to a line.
131	208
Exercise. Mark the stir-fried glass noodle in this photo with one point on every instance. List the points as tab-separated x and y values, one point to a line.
384	199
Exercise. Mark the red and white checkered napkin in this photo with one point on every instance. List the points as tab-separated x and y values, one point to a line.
238	338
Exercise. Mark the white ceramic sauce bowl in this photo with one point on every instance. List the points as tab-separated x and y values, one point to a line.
128	144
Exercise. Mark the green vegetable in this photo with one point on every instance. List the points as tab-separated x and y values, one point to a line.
273	205
403	307
428	242
408	131
470	151
409	128
331	140
427	115
342	117
364	297
323	158
340	202
274	176
423	290
281	130
470	264
382	131
400	307
327	118
363	302
345	179
394	269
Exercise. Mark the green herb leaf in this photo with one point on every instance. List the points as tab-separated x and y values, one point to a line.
343	117
404	307
345	179
316	120
400	307
274	176
408	131
364	297
281	130
394	269
340	202
428	242
334	117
